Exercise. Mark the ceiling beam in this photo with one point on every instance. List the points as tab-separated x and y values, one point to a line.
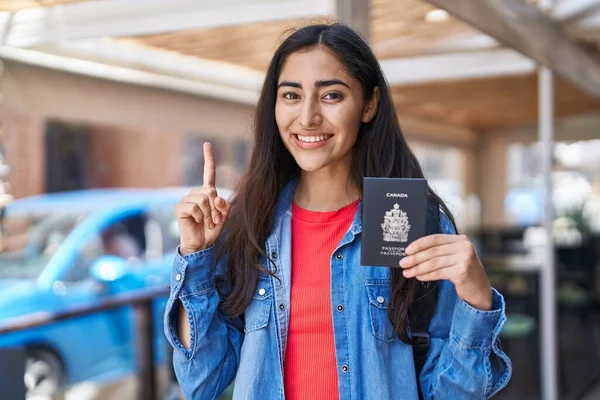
398	72
456	66
589	21
93	19
132	55
574	10
126	75
527	29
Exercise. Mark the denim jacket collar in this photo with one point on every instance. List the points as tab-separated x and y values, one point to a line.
283	206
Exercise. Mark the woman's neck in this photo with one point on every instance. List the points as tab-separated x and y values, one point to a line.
325	191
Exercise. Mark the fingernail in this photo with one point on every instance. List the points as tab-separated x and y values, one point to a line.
218	219
408	250
404	262
406	273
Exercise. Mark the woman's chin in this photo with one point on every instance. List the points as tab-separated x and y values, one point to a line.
310	166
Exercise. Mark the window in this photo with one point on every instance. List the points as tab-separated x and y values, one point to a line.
444	169
575	180
193	158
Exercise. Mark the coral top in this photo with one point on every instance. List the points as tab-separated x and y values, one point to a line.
310	369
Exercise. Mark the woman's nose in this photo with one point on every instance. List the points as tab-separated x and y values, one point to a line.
310	115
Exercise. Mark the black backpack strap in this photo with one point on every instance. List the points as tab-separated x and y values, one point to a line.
420	316
423	308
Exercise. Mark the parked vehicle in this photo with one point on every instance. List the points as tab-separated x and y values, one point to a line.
76	248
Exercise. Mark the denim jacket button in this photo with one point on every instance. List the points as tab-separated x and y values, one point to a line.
340	308
345	368
178	277
339	256
262	292
274	255
281	307
380	299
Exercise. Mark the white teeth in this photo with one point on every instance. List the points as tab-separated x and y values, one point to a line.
313	139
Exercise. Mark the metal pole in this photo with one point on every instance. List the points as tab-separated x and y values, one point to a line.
356	14
12	370
146	383
549	357
548	325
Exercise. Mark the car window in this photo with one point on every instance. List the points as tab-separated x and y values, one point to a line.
164	216
125	239
90	251
29	240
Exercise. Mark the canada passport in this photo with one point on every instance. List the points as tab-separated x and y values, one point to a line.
393	216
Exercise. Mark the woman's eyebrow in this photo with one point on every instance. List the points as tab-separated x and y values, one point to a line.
319	84
290	84
330	82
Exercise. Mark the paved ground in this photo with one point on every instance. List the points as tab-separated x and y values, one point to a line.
122	390
594	395
579	356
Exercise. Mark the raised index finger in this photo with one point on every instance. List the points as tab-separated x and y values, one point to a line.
209	166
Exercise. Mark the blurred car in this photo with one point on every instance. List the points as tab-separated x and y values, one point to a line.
73	249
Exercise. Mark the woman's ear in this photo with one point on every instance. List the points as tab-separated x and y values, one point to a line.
371	105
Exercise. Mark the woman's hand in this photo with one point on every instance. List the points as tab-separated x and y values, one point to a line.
201	214
450	257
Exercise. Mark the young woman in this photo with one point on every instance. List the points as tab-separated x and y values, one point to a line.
269	290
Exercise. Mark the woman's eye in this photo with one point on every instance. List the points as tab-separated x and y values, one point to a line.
290	96
333	96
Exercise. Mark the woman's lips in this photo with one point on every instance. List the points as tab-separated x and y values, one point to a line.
311	142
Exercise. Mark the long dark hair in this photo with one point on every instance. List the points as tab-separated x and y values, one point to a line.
380	151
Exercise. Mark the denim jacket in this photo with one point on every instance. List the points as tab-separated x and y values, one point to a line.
465	360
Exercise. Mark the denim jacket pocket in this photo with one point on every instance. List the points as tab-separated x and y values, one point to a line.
378	292
257	314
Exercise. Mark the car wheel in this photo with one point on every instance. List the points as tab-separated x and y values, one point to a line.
44	372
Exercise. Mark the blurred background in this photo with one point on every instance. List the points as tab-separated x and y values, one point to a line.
104	109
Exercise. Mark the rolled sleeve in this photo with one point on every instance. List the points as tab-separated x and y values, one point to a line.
473	328
191	276
193	273
210	363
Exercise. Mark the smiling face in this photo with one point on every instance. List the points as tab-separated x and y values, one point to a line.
319	110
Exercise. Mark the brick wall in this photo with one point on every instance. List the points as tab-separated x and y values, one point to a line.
24	146
136	133
121	157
